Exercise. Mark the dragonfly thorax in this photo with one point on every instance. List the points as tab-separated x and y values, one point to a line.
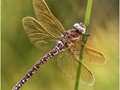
80	28
72	33
69	37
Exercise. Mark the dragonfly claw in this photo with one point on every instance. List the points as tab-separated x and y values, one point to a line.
82	44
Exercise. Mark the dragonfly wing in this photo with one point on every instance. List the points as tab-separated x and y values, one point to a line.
68	65
87	77
46	18
94	56
38	34
89	55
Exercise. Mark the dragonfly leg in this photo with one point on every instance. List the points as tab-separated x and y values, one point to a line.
87	35
82	44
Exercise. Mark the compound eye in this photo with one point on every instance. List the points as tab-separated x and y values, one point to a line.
76	25
80	27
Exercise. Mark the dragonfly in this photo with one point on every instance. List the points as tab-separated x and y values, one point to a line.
47	30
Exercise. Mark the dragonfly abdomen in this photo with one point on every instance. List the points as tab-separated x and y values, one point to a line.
58	48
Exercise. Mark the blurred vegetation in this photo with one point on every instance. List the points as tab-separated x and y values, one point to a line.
18	54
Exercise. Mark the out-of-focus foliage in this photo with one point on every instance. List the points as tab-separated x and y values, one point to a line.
18	54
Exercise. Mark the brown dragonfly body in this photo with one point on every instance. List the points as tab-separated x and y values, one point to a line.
47	29
68	37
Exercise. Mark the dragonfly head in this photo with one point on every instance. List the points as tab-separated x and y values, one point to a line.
80	28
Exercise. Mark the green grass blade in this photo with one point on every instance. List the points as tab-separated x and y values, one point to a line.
84	39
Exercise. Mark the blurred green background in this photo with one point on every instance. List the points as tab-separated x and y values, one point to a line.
18	54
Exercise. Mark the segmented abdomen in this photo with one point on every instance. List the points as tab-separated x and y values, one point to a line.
58	48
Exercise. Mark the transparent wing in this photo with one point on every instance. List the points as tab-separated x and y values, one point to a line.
94	56
89	55
46	18
68	65
68	61
38	34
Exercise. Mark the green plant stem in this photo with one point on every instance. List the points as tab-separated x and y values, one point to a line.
84	39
